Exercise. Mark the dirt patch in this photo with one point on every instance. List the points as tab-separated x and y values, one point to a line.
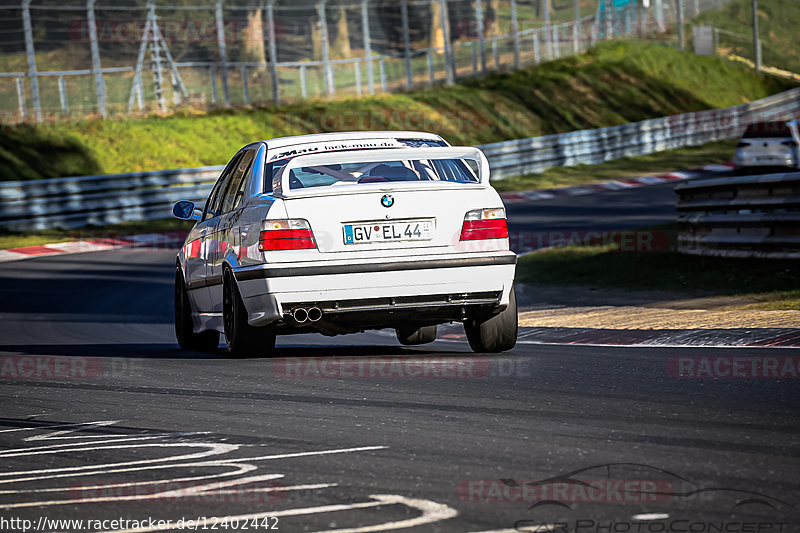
591	307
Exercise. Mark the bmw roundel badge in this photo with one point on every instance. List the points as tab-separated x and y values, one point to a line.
387	200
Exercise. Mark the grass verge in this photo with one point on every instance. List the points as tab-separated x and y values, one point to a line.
628	167
774	284
10	240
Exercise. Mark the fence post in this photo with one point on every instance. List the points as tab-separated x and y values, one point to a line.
303	82
496	54
273	51
382	65
659	15
680	25
223	53
576	28
449	57
537	53
157	67
556	42
480	30
367	46
547	30
357	66
99	82
407	44
515	31
29	49
431	73
245	85
327	71
212	72
62	95
21	98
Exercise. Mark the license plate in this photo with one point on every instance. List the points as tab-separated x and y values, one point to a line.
407	230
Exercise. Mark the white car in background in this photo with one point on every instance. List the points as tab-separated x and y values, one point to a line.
768	146
345	232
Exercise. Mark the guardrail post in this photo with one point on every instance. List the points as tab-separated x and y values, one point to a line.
99	82
23	113
31	52
382	66
327	70
223	53
431	73
273	51
407	44
515	31
62	95
367	46
479	29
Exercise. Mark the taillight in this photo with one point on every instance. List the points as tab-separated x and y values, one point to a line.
484	224
291	234
742	145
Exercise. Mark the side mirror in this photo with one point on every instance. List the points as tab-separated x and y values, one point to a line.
185	210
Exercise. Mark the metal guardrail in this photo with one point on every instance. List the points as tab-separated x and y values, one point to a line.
746	216
590	147
109	199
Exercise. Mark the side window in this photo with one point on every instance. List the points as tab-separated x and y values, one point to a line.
235	189
215	200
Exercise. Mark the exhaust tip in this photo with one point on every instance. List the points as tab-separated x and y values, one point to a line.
314	314
300	315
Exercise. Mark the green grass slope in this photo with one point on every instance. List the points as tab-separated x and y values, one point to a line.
778	24
613	84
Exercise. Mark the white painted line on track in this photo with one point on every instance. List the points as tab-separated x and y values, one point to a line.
306	454
197	490
431	512
214	449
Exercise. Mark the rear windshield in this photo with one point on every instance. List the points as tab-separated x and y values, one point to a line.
453	170
767	130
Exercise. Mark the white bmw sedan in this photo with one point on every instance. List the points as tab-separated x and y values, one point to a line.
344	232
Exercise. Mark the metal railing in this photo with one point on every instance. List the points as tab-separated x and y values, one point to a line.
109	199
94	58
745	216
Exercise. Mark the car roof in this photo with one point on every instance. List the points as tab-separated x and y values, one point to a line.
283	142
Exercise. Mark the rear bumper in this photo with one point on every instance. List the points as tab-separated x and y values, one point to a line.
429	285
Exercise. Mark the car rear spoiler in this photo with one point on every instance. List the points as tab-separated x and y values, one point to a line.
280	184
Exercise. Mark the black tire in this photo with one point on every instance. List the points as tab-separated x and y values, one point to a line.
206	341
412	336
243	339
494	334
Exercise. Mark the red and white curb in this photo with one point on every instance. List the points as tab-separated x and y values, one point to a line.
616	185
171	239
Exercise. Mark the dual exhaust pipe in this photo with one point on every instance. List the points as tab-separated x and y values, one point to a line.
302	315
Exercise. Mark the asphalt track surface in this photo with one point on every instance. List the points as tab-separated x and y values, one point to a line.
107	419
